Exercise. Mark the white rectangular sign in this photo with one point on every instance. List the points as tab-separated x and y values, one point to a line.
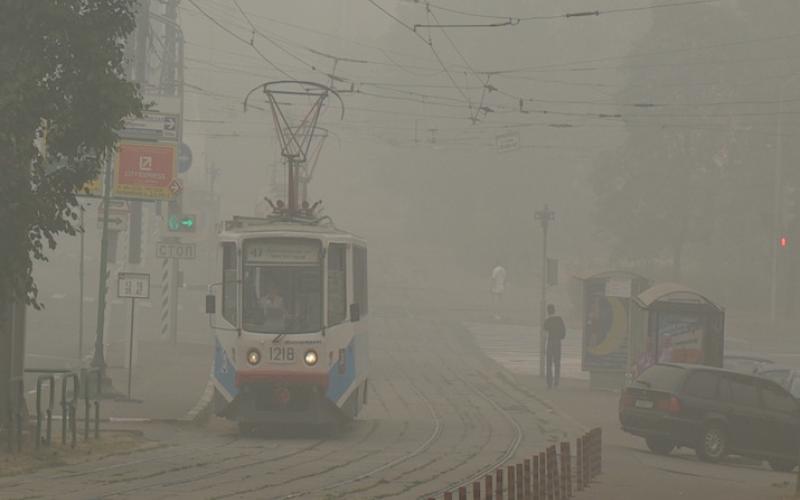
282	252
133	285
176	250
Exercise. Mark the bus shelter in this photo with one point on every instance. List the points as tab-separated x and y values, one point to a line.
682	326
609	319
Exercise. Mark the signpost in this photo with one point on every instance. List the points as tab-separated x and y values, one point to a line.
132	286
145	171
118	215
152	126
176	250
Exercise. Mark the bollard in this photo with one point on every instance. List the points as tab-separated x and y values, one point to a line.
552	477
535	487
498	485
51	380
556	475
520	487
566	472
526	493
579	464
489	487
542	476
512	484
476	490
462	493
448	496
599	450
587	460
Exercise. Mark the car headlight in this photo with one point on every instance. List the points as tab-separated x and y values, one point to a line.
253	356
311	357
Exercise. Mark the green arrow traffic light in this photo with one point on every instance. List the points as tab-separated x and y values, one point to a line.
181	223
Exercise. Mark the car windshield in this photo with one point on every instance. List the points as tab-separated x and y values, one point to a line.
794	387
282	287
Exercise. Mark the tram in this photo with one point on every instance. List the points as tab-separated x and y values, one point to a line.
291	343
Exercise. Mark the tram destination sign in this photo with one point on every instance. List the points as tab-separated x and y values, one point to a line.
282	251
170	250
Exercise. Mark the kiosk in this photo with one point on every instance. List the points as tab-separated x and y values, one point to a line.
609	320
682	326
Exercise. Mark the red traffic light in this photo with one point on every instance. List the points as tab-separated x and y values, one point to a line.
783	242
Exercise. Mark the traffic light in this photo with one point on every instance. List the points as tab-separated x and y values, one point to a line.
181	223
783	241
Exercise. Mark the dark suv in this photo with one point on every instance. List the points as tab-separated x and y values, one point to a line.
716	412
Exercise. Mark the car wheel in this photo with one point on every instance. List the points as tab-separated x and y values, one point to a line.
660	446
782	464
713	445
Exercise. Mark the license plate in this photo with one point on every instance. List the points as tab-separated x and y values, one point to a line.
279	354
641	403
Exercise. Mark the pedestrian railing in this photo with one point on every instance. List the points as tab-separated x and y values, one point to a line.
548	475
48	414
86	383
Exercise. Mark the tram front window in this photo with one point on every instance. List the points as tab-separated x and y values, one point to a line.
284	298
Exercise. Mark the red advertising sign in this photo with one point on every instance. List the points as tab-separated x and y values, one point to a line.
145	170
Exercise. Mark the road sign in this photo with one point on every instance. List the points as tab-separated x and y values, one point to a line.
184	159
115	222
145	171
133	285
165	250
152	126
507	142
175	187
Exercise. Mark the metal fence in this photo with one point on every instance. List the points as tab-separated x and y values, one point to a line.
86	383
548	475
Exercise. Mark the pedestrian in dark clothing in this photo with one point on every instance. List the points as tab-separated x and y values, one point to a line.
556	331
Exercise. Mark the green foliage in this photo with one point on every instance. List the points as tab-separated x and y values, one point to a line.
690	179
61	65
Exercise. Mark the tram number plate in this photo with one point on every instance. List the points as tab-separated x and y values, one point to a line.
279	354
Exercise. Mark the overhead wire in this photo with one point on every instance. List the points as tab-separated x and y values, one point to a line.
240	38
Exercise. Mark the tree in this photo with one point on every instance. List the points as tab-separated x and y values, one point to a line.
63	93
688	176
61	80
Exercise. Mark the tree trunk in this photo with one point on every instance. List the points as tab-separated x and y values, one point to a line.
12	353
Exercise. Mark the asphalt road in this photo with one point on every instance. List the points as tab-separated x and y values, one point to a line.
441	412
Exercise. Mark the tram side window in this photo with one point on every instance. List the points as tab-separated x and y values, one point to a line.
360	279
337	283
229	283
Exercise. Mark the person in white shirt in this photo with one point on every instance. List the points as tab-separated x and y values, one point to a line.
498	287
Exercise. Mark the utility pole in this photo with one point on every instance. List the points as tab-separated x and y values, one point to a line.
545	217
140	77
99	360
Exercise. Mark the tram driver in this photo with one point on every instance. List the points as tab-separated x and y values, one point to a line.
274	308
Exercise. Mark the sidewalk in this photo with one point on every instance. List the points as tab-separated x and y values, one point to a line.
168	382
516	347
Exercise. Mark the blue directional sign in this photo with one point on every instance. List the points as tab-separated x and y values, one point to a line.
184	159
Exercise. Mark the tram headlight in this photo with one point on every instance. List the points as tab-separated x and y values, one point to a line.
253	356
311	357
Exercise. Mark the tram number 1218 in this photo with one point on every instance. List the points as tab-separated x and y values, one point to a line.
280	354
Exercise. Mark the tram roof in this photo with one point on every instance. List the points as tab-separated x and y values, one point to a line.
253	225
